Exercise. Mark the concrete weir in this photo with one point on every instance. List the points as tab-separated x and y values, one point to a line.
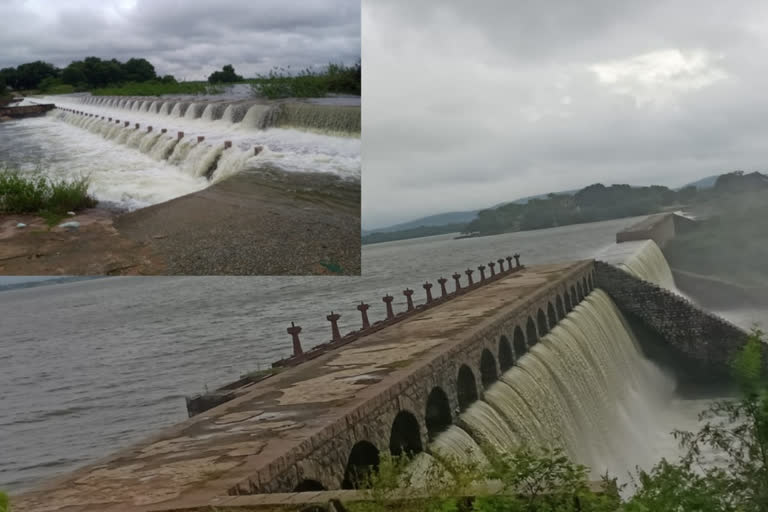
301	428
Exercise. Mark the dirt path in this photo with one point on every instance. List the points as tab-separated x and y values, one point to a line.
256	223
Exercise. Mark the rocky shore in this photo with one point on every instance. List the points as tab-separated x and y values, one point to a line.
259	222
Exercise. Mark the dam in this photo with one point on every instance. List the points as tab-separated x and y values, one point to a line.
142	151
468	366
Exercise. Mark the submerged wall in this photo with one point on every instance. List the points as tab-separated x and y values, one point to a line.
659	228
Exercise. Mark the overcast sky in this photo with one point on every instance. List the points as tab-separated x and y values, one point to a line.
467	104
186	38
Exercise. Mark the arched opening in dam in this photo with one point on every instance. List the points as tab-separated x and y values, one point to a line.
559	307
541	322
530	333
308	485
519	343
488	373
552	318
405	436
506	357
438	413
466	387
363	459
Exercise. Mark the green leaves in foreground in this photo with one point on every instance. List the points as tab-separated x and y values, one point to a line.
4	504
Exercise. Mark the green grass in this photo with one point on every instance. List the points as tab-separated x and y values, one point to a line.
59	89
40	195
4	506
158	88
309	83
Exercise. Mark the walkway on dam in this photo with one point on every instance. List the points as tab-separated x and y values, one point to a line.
196	462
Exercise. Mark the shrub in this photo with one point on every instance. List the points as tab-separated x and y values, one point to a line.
41	195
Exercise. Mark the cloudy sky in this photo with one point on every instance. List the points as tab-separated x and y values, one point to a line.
468	104
186	38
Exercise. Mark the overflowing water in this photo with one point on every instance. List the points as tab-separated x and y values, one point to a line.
585	388
93	366
648	263
138	152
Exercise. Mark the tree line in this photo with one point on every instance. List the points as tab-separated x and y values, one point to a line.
92	73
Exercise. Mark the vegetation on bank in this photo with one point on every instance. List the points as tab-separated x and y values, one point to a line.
309	82
4	505
41	195
731	243
406	234
157	88
735	435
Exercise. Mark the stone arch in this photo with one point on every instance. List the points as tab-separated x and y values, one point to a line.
488	373
405	436
551	316
530	332
466	387
541	322
363	459
574	298
559	307
308	485
506	358
580	291
438	414
519	343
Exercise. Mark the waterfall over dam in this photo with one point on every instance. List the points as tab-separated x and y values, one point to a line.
206	141
585	387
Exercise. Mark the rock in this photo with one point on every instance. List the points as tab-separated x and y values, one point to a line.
21	225
70	226
71	214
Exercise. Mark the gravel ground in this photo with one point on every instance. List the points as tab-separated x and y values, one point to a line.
259	222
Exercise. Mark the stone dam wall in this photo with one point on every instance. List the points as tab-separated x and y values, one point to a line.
28	111
705	339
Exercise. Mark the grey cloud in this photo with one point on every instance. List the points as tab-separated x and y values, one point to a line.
190	38
468	104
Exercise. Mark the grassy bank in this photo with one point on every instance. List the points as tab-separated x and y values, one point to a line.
156	88
309	82
40	195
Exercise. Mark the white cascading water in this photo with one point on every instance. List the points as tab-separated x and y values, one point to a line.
648	263
585	387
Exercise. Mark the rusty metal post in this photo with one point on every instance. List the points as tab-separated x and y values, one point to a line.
180	135
126	124
227	144
469	273
493	268
257	150
408	297
149	129
517	259
200	138
388	301
500	261
509	263
442	282
334	319
481	268
428	288
294	331
137	126
363	309
456	277
163	130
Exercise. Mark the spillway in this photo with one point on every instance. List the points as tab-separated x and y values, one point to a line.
585	388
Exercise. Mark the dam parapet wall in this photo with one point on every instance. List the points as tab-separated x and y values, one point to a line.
660	228
26	111
706	339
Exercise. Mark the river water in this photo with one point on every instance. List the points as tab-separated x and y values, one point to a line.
89	367
132	168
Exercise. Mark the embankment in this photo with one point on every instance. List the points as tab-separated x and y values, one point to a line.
259	222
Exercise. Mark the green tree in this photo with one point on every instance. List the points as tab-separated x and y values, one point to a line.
29	75
725	465
226	75
139	70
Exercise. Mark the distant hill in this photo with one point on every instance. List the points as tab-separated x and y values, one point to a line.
707	182
15	285
439	219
